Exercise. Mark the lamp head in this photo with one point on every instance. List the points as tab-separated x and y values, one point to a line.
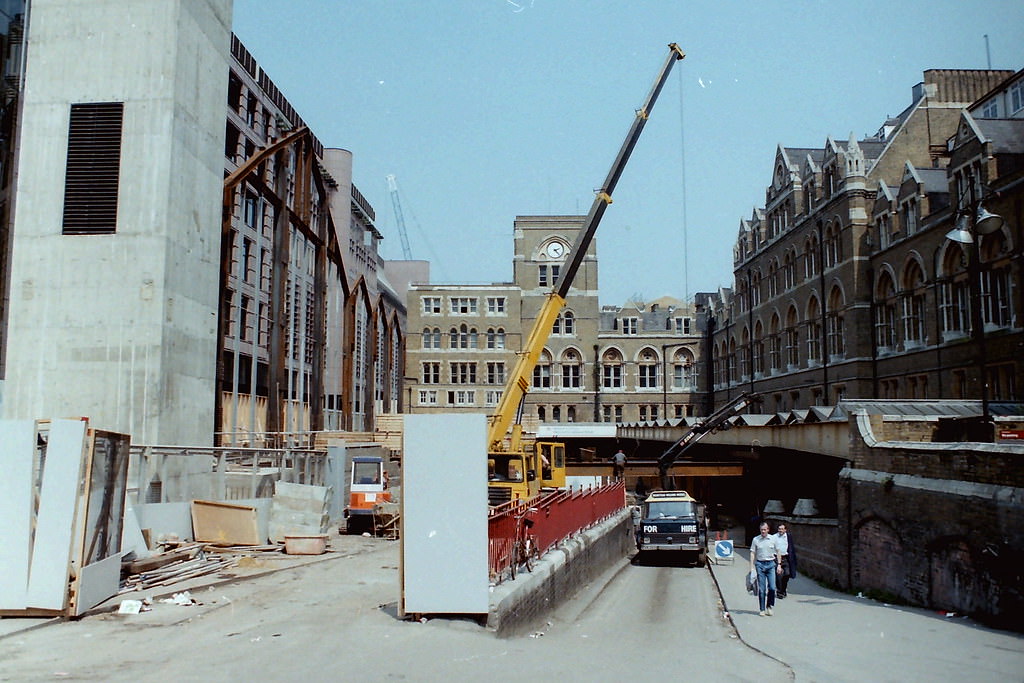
960	235
986	223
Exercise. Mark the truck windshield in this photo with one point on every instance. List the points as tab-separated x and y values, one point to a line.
670	509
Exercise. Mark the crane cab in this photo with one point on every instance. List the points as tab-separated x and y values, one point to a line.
368	487
520	475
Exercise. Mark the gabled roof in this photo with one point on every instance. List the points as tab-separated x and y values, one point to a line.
1006	135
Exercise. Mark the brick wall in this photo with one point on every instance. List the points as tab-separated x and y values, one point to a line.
954	549
560	575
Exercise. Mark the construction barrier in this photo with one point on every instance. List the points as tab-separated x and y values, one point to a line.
555	517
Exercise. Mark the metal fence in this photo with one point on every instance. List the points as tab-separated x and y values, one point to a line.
556	516
162	474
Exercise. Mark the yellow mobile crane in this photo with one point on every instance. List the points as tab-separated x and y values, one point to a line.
513	472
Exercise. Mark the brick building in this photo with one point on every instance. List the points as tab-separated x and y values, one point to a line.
846	285
600	364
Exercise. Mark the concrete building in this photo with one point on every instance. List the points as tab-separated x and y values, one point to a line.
846	285
600	364
182	260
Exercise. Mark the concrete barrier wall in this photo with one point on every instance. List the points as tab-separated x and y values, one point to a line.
519	605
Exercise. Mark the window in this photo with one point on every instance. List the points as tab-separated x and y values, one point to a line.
92	171
611	370
462	305
834	325
495	305
428	397
492	397
629	326
431	305
495	338
462	397
789	270
431	373
885	314
556	414
683	325
565	324
571	370
990	110
792	340
463	373
547	275
648	412
431	338
611	413
908	215
464	337
1016	97
912	300
249	209
647	370
496	373
813	331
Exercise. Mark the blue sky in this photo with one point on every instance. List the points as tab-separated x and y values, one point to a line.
489	109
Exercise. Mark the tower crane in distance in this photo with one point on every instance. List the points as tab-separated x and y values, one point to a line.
396	204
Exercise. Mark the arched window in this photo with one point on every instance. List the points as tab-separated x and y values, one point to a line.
758	350
495	338
813	330
912	304
885	313
775	344
744	354
954	299
811	257
773	278
789	270
731	361
568	323
572	370
996	281
647	369
611	369
792	338
834	324
542	371
683	370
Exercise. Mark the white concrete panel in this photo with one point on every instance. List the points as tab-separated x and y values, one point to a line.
51	551
17	439
444	514
100	580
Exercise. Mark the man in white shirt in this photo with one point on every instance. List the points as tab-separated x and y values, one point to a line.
787	554
765	560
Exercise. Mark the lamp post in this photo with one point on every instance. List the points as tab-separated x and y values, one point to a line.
664	375
972	224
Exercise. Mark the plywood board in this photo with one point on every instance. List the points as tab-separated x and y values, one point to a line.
225	523
17	442
51	549
444	515
98	581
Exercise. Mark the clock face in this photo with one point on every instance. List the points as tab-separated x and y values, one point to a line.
555	250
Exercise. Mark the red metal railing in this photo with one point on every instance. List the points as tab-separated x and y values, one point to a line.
556	516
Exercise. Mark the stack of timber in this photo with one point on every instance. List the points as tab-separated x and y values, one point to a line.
299	510
174	565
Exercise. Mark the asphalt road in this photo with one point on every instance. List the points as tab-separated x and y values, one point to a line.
336	619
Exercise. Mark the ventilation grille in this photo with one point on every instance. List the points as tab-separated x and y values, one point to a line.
93	168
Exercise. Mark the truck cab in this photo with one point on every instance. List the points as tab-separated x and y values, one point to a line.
673	522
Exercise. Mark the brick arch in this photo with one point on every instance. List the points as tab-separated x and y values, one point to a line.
955	579
877	557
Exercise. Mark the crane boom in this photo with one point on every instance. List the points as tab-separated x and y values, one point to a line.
519	380
399	217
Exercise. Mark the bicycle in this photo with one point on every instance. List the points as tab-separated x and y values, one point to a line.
525	551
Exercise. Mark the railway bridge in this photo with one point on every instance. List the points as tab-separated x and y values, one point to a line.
884	497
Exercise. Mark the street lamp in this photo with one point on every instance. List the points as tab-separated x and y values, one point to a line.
971	226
